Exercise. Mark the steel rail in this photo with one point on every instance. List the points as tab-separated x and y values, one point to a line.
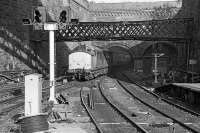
157	110
6	110
97	125
8	78
3	111
164	99
21	96
6	101
141	129
10	89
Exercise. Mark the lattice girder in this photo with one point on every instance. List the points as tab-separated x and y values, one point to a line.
161	30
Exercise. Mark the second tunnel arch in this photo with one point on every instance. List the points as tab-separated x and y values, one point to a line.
125	46
165	63
122	45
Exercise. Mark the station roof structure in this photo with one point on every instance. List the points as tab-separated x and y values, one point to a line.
125	6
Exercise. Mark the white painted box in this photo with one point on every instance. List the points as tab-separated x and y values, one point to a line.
33	94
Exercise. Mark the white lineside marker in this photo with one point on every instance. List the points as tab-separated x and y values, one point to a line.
51	27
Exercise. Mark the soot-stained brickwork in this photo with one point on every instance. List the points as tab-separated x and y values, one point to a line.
31	47
14	37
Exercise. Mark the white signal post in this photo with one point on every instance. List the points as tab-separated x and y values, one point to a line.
51	27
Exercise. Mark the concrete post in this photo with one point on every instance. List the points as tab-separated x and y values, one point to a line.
51	27
52	65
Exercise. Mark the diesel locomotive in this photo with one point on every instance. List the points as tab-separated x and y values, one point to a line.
89	62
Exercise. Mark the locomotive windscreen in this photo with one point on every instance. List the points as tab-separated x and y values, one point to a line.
80	60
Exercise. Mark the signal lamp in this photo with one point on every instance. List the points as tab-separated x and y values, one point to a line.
63	16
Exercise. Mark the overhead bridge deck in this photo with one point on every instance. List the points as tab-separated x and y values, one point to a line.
154	30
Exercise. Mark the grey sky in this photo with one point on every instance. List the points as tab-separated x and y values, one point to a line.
115	1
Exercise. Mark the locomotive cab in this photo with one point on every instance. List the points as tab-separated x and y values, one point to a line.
80	64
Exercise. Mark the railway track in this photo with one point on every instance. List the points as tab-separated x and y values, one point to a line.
188	120
106	116
12	93
12	76
10	87
18	101
8	110
164	99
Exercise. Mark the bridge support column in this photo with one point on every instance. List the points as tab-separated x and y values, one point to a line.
51	27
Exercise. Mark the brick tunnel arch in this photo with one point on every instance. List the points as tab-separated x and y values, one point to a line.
122	45
165	63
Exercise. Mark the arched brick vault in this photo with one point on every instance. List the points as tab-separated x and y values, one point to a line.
168	61
14	16
146	48
121	45
164	45
124	46
14	37
142	47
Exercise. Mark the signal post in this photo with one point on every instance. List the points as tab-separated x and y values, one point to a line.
39	23
51	27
